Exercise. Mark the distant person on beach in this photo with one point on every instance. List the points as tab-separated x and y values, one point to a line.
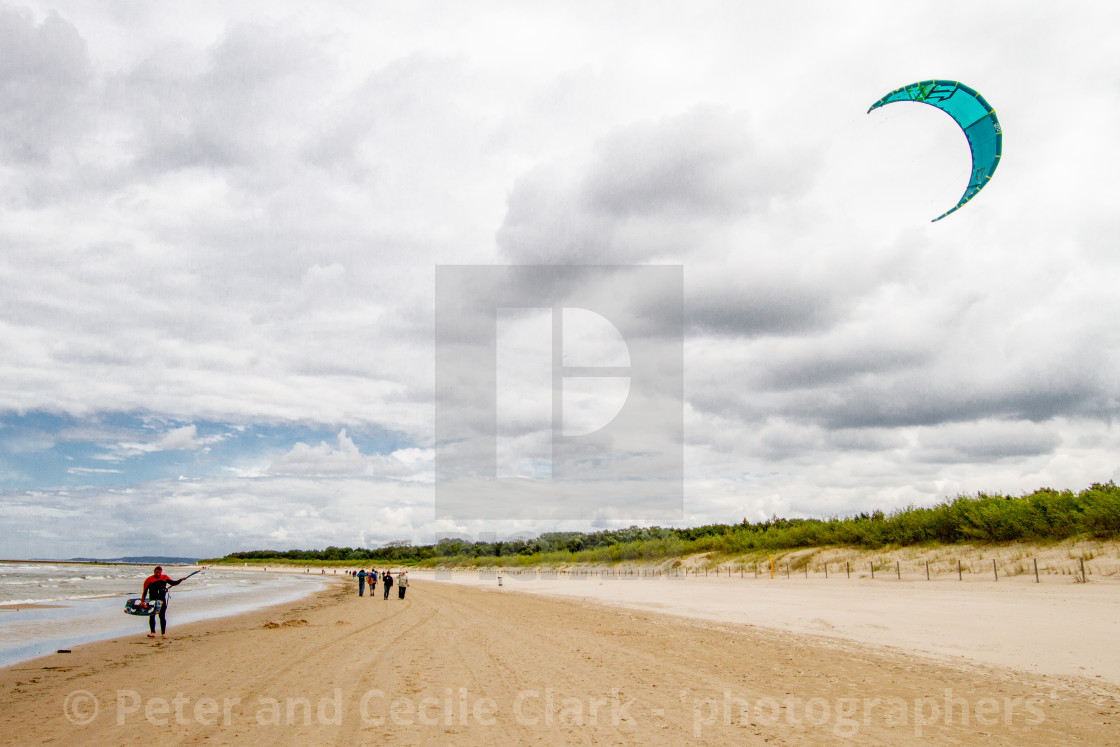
155	588
388	581
372	581
362	583
402	584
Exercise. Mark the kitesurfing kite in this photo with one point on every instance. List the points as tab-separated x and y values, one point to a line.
969	110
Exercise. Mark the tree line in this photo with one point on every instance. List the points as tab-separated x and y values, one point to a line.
1044	515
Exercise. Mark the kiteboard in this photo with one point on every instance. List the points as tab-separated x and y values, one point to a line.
140	606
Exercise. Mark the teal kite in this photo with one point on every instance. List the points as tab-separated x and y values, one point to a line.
969	110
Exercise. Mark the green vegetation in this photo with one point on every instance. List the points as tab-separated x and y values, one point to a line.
394	553
1045	515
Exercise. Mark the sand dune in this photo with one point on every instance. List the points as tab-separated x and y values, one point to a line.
458	665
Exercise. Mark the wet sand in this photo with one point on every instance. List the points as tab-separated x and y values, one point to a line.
454	664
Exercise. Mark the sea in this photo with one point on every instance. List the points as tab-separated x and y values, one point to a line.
45	607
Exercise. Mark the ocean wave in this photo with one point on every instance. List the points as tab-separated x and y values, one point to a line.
9	602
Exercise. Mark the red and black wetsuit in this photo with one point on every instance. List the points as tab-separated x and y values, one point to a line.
155	587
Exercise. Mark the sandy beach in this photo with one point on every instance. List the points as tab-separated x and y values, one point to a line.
1058	627
459	663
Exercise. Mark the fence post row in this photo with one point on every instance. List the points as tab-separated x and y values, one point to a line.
1082	572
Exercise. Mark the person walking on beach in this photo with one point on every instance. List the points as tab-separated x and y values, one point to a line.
372	581
362	583
388	581
402	584
155	588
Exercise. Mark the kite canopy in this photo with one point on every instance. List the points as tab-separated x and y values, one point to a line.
969	109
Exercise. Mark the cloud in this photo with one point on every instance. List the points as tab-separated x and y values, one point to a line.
179	438
347	459
986	441
222	218
703	163
45	72
184	438
648	191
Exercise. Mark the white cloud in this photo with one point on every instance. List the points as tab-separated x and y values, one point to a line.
346	459
180	438
184	438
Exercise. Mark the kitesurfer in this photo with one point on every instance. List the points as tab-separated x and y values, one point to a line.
155	588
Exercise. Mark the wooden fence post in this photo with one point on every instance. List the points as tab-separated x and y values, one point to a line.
1083	579
898	570
848	566
1036	570
960	573
994	571
872	564
927	570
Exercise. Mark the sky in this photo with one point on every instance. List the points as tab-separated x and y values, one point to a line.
220	226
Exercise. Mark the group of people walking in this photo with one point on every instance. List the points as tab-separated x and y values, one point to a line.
387	582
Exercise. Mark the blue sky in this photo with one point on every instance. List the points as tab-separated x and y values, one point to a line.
219	227
56	451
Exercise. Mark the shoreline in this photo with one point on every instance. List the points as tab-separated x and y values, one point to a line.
97	648
35	629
